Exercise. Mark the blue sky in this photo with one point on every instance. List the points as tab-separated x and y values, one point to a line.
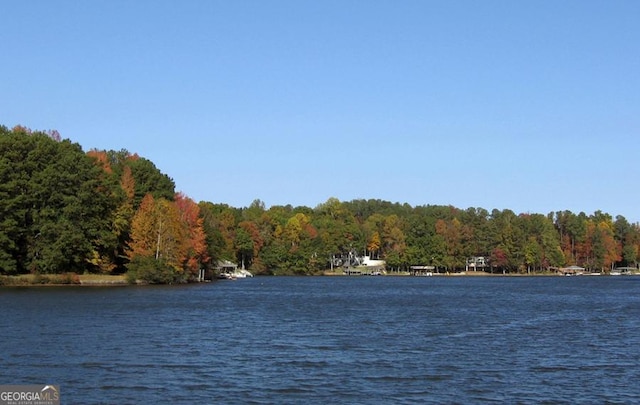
528	105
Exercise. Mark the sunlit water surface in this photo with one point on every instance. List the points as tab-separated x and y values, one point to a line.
330	340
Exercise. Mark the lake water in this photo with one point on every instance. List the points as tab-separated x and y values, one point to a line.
330	340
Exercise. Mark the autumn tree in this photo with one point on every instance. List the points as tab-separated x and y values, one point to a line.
195	256
149	180
372	228
604	249
393	241
454	234
298	236
374	244
157	234
111	258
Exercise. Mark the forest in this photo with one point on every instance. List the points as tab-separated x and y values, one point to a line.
64	210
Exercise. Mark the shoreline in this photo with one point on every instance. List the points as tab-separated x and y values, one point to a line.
329	273
63	280
99	280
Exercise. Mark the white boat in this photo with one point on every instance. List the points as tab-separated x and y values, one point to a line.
236	274
242	273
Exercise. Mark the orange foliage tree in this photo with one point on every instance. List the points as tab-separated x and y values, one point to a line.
157	231
170	232
196	247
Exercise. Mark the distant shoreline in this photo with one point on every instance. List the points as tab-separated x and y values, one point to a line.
454	274
99	280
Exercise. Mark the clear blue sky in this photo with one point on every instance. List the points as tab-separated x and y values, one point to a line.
528	105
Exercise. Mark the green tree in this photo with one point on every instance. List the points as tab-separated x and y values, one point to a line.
215	241
533	253
56	206
477	220
506	251
244	247
338	230
15	205
629	238
149	180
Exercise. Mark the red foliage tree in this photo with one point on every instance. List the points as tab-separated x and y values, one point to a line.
196	247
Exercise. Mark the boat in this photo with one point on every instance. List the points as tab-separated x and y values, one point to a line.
236	274
242	273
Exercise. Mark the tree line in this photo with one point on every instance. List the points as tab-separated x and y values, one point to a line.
114	212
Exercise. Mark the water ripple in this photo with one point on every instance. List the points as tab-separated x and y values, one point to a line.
331	340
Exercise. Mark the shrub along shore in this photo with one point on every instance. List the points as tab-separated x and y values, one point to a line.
66	279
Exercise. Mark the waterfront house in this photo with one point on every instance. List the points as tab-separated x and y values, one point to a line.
226	267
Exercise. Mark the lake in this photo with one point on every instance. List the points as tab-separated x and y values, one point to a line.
324	340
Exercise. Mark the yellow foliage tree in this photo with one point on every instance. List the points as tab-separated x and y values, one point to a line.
158	232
